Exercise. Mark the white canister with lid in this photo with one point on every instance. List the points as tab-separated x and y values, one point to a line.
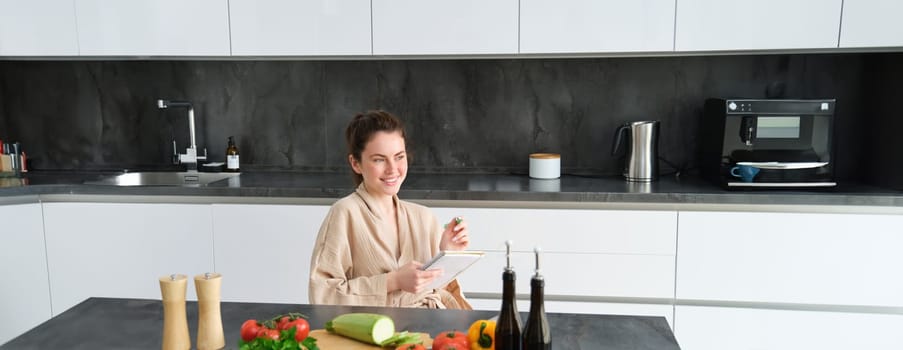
545	165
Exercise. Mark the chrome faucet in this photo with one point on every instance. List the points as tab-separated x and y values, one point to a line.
190	157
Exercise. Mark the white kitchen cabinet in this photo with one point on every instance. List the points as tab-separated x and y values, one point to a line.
263	251
576	307
596	26
715	25
24	292
577	274
621	253
833	259
38	28
871	23
717	328
122	249
444	27
586	255
153	28
300	28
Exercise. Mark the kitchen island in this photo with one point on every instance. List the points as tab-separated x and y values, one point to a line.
106	323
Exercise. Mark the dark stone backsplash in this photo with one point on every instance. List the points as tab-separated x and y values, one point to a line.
462	115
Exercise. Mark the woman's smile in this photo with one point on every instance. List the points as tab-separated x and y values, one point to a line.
383	163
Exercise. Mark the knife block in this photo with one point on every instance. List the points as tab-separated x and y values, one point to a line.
210	322
175	320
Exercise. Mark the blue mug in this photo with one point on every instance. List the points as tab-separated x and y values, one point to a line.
744	172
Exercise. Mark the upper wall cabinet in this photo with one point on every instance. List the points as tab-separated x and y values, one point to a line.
596	26
714	25
439	27
153	28
38	28
871	23
300	28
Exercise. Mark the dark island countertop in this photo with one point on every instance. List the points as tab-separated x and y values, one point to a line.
106	323
463	187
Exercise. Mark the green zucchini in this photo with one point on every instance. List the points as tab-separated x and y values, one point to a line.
368	328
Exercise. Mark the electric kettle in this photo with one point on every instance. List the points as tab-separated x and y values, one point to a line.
641	160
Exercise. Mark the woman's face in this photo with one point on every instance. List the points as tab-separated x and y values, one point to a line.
383	164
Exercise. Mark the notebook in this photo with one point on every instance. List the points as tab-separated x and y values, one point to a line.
453	263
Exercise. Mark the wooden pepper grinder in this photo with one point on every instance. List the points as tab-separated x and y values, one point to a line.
175	320
210	322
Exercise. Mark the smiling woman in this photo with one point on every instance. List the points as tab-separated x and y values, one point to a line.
371	245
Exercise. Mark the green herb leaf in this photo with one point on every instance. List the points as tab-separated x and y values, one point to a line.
310	343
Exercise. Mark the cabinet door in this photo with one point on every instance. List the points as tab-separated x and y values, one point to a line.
596	26
430	27
704	25
289	27
840	259
38	28
122	249
263	251
25	293
585	253
871	23
715	328
576	307
153	28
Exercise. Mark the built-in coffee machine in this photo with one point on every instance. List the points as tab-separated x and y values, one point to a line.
768	143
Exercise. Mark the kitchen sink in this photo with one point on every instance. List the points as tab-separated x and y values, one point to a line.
162	178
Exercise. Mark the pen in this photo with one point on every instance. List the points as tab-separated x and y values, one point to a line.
458	220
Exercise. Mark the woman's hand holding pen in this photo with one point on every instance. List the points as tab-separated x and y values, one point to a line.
410	278
455	236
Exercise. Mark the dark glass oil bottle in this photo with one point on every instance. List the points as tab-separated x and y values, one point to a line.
536	332
232	160
507	330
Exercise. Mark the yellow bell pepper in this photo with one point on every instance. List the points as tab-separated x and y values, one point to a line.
481	335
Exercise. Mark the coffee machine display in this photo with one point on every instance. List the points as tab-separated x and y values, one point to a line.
766	143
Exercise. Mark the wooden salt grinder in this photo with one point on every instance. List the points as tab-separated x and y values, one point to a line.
210	322
175	320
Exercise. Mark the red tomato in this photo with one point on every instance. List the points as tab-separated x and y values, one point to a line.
302	328
451	340
268	333
249	330
282	323
410	347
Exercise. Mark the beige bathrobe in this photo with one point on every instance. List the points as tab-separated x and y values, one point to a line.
350	262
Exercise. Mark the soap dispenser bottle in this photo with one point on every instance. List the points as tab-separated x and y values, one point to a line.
536	332
507	331
232	156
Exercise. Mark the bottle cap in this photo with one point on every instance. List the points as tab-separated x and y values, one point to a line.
508	244
536	251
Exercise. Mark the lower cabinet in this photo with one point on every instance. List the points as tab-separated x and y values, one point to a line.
24	292
122	249
585	255
263	251
721	328
578	307
772	264
839	259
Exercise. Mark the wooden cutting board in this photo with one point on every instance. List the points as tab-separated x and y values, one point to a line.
329	341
